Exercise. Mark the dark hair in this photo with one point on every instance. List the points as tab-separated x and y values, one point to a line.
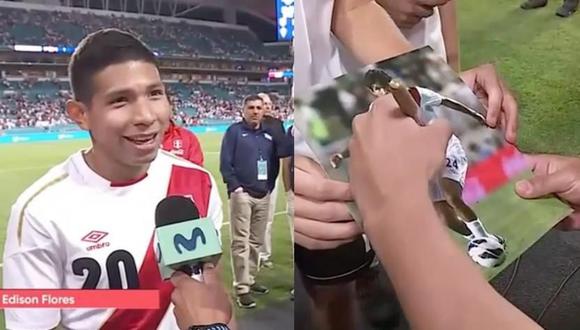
251	98
377	77
99	50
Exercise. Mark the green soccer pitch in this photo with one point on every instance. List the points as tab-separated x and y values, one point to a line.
535	52
22	164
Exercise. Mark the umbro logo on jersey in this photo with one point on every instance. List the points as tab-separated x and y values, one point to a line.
244	134
96	236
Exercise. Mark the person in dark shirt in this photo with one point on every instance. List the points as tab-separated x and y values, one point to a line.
288	179
275	127
247	154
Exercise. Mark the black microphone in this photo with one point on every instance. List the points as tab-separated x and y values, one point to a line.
175	209
185	241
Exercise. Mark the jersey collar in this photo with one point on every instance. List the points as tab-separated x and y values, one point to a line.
92	178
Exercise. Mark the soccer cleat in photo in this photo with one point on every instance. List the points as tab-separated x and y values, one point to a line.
487	251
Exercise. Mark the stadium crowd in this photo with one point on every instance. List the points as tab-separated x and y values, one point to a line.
42	104
58	28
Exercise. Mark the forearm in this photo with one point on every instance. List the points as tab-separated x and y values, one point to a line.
448	14
439	288
366	29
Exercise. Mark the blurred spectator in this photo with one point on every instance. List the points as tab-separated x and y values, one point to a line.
58	28
30	103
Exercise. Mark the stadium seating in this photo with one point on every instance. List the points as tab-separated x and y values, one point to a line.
278	51
39	105
167	38
26	104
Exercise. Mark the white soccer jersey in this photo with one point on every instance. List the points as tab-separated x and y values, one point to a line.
73	229
456	164
319	57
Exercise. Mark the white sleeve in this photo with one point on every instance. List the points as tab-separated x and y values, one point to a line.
215	211
31	261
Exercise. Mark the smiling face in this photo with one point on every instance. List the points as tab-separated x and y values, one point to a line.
129	112
121	101
127	115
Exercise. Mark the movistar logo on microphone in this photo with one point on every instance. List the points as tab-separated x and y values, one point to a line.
189	244
184	238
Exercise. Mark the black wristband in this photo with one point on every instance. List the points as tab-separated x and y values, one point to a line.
215	326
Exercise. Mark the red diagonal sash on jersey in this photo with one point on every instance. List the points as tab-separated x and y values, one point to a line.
185	182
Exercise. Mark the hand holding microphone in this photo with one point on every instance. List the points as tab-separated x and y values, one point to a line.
201	305
188	243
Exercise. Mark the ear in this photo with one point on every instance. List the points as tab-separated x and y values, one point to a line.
77	112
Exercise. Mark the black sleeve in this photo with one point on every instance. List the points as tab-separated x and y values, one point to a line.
227	159
284	145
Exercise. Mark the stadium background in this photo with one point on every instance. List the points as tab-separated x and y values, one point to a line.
212	54
535	51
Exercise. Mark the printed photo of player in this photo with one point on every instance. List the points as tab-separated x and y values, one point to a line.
478	163
446	192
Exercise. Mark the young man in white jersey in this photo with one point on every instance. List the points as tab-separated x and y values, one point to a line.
76	225
446	192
